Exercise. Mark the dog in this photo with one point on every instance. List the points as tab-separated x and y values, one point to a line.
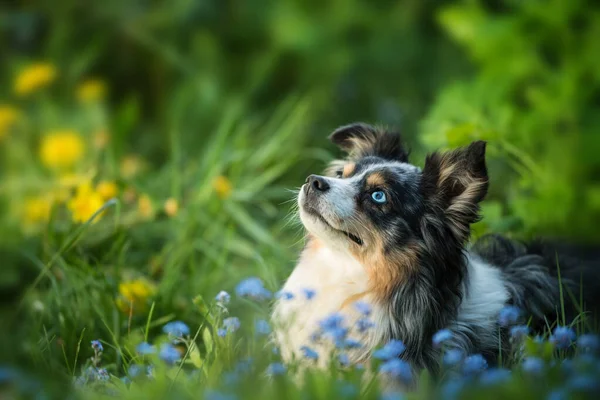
388	257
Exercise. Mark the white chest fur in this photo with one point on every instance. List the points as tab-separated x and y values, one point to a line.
338	281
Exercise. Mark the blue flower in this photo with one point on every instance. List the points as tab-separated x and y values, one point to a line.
231	324
588	342
96	345
452	388
309	353
223	297
7	374
262	327
563	337
309	293
344	360
338	336
391	396
169	354
253	288
584	383
150	371
441	337
533	365
558	394
518	332
452	357
275	369
509	315
176	328
283	295
210	394
392	349
333	328
363	307
364	325
135	370
398	369
102	375
145	349
221	332
333	321
474	364
494	376
352	344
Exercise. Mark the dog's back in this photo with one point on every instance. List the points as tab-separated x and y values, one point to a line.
535	272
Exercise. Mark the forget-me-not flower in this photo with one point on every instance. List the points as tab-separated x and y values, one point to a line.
563	337
176	328
392	349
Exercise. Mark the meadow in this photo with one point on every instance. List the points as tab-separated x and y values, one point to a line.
149	155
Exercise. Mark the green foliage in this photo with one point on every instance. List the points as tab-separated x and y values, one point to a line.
534	98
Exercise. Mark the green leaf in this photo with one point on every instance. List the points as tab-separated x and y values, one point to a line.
208	340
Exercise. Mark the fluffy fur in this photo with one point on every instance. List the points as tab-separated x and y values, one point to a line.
409	258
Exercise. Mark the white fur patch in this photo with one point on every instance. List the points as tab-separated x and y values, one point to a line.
335	277
485	296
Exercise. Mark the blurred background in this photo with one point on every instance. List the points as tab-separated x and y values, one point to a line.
199	116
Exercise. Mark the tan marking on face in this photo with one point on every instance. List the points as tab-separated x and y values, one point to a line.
348	169
386	270
376	180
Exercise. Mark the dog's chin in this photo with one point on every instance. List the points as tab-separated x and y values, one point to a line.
317	225
321	230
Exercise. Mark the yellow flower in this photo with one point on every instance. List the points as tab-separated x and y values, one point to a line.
37	210
8	117
222	186
91	90
145	206
131	165
107	189
34	77
134	295
101	139
85	203
171	207
61	149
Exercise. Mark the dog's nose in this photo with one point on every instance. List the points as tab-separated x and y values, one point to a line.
317	183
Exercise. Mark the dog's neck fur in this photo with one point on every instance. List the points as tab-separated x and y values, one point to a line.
420	305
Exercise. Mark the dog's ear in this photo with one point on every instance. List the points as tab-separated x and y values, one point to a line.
360	140
453	183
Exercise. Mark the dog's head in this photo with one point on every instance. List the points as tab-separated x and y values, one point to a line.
384	210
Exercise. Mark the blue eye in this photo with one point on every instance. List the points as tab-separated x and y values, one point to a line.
378	197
